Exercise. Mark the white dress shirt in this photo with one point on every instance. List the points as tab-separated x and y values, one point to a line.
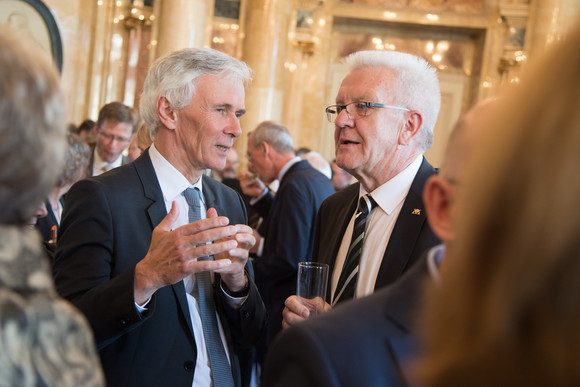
172	184
380	223
100	166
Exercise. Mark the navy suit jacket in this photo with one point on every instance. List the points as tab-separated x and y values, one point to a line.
44	225
368	342
105	231
288	229
411	234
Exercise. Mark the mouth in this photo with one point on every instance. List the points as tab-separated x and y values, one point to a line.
348	142
223	148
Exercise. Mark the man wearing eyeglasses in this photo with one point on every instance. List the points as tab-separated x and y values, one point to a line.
114	132
385	111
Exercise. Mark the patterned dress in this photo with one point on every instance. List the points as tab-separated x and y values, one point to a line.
44	340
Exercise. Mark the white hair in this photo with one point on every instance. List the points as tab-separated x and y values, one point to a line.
416	88
174	75
319	163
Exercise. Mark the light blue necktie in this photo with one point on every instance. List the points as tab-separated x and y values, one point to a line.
220	367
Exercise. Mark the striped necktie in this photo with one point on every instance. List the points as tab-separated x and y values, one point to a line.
346	286
220	367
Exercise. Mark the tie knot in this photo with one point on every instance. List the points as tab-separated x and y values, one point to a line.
193	198
366	204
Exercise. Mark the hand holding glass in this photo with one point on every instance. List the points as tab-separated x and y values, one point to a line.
311	285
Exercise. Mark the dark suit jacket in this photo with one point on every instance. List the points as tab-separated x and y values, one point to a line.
411	234
253	216
288	229
105	231
44	225
367	342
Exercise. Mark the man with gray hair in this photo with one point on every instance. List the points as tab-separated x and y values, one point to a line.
286	234
153	251
385	111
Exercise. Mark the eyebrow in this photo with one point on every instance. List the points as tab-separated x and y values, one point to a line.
230	107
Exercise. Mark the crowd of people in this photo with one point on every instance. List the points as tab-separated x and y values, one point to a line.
145	256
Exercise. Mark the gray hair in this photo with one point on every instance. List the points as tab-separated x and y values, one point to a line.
174	75
416	88
76	161
32	127
319	162
275	134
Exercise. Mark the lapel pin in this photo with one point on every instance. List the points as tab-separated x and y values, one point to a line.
416	211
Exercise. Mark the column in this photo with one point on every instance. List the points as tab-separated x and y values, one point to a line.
265	48
182	23
551	19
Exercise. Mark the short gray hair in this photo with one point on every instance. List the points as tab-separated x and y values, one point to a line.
275	134
174	75
417	86
76	161
32	127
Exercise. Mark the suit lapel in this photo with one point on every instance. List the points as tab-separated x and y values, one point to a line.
406	230
210	196
401	309
341	219
157	211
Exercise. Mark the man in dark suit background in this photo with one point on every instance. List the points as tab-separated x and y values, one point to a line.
128	255
114	131
385	112
379	331
286	235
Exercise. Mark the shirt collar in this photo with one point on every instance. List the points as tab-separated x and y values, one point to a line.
171	181
389	195
98	162
287	166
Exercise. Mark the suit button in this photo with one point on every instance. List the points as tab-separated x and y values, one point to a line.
123	323
189	366
245	315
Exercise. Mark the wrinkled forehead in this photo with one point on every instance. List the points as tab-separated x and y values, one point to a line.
367	84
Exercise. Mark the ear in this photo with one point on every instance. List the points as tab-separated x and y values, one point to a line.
438	197
411	127
166	113
95	129
266	148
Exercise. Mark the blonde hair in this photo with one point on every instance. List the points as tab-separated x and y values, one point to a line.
508	310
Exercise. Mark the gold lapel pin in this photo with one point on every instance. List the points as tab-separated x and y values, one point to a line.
416	211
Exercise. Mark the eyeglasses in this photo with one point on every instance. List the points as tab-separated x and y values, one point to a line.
112	137
356	110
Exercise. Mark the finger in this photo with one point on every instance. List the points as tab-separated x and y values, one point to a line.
212	213
167	223
244	229
204	250
296	307
203	225
194	266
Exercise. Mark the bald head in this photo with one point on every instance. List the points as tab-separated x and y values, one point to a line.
463	139
439	191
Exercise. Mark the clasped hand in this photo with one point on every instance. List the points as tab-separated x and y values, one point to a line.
173	255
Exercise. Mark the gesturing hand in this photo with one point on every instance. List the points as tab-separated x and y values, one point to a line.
173	255
233	275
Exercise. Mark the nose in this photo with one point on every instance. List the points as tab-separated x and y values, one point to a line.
343	118
41	211
235	128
